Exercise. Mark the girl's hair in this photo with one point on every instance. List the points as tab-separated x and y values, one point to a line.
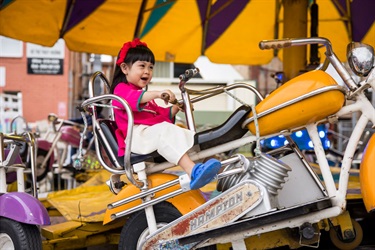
139	53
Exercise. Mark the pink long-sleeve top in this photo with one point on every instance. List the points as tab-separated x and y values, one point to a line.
147	113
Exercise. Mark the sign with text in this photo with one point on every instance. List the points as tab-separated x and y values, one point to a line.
45	60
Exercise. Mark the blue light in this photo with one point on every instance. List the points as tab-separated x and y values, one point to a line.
322	134
299	133
301	138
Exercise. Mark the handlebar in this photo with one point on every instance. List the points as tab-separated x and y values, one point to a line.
189	73
165	97
55	120
274	44
330	55
289	42
92	81
127	168
27	137
23	120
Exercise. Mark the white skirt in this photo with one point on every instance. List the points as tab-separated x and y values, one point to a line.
169	140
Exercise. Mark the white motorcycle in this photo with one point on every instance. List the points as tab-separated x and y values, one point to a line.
272	192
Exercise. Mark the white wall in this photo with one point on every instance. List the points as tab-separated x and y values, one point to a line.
221	102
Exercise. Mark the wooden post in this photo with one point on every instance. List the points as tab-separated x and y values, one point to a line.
295	26
76	71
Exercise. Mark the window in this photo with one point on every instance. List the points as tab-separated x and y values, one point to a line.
179	68
172	70
10	47
2	76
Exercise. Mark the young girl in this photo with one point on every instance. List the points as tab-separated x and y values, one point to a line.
154	127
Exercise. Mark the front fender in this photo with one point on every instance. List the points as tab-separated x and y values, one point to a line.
366	175
184	202
24	208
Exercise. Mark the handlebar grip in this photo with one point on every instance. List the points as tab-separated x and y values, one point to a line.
275	44
189	73
166	97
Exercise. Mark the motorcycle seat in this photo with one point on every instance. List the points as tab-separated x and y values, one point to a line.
230	130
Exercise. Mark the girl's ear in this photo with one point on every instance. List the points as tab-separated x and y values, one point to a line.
124	68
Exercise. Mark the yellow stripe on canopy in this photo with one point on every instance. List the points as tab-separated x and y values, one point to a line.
29	21
105	32
178	35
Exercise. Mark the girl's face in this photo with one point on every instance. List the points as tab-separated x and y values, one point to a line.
139	74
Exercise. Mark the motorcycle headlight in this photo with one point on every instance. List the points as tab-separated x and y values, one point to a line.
360	58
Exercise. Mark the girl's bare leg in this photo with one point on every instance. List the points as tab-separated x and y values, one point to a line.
186	163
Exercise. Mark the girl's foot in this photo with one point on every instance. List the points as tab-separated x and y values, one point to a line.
204	173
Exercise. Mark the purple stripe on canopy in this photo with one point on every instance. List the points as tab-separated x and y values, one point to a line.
221	15
78	10
363	17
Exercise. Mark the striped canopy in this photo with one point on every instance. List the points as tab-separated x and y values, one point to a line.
226	31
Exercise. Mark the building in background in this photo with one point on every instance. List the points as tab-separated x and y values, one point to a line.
38	74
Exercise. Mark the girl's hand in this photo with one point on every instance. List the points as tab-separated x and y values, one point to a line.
167	96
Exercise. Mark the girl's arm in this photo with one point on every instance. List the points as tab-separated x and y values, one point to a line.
151	95
175	110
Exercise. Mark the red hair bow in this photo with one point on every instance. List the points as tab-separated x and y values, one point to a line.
124	50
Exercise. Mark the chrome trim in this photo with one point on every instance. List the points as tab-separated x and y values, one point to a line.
293	101
128	169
